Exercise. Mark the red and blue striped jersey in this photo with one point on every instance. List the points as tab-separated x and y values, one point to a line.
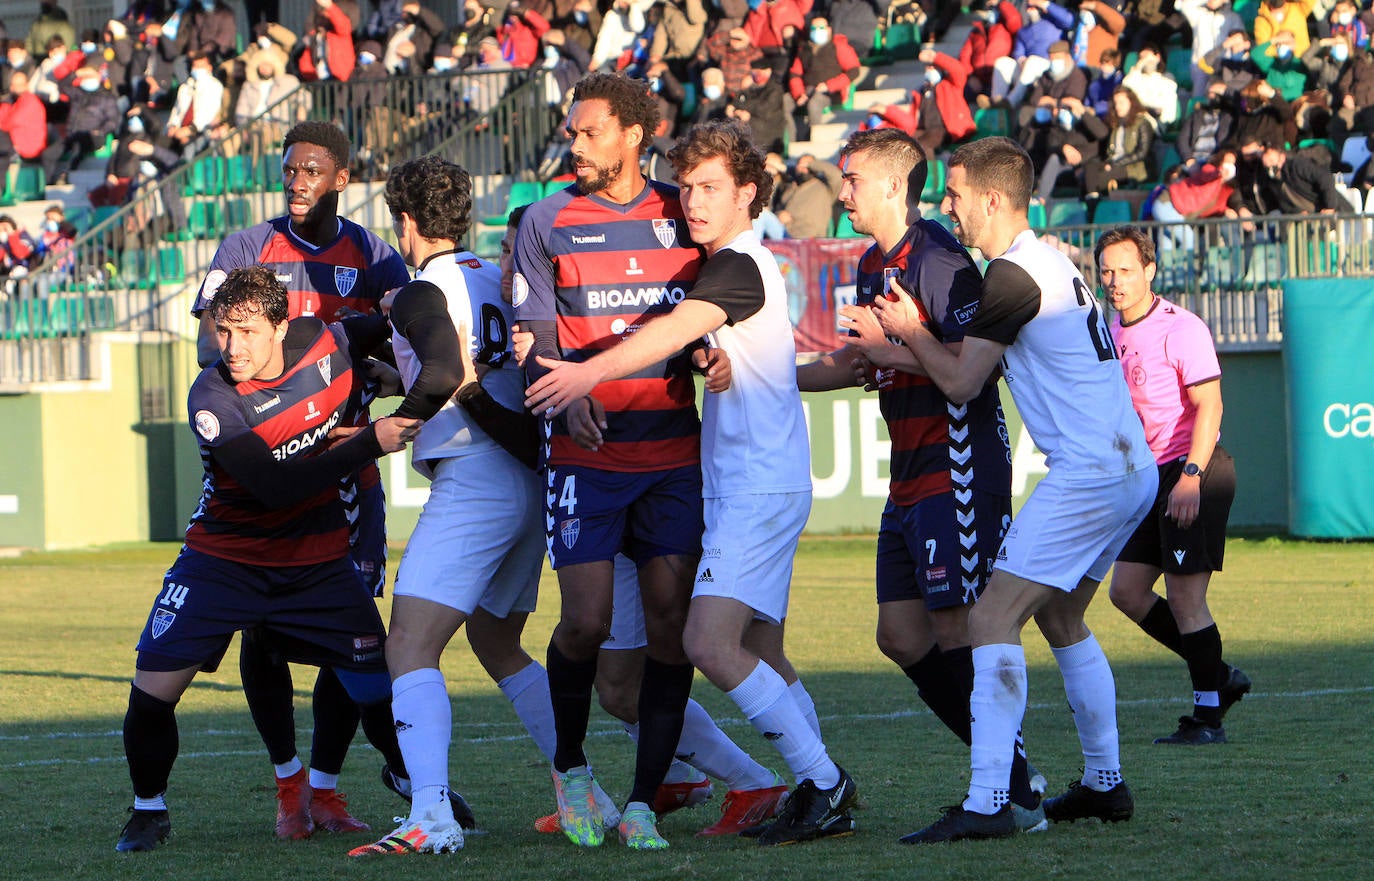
600	270
292	415
937	445
355	270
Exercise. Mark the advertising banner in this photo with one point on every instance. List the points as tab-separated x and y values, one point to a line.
1328	326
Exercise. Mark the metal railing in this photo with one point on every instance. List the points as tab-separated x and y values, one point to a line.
133	268
1231	273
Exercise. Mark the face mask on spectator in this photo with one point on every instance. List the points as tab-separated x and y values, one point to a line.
87	48
933	76
580	17
712	92
1066	118
989	16
1340	52
135	125
89	85
1089	20
1345	19
1043	115
1284	52
655	84
551	55
875	120
443	64
1059	67
207	5
366	58
198	73
147	169
1228	170
820	36
50	225
264	43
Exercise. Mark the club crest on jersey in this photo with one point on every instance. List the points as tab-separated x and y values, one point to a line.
326	368
207	424
519	290
665	229
568	530
345	277
162	620
213	280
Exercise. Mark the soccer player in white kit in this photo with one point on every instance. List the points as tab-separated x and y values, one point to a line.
477	550
755	466
1041	322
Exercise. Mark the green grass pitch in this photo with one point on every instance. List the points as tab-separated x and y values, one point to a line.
1288	798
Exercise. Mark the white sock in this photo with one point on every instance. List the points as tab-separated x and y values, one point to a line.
997	705
528	693
424	721
806	705
156	803
764	699
1091	691
712	752
321	780
679	771
288	769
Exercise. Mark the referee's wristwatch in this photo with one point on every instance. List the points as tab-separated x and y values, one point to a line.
1192	469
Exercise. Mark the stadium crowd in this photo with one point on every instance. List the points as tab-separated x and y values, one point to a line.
1219	107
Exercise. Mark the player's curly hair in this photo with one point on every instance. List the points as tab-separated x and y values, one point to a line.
437	193
321	134
1144	245
630	101
252	290
899	153
731	141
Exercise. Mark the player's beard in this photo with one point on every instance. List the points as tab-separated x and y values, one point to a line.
604	176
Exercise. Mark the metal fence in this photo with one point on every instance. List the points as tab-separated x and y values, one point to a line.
131	269
1231	273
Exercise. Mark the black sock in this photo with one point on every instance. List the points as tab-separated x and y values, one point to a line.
380	729
1202	651
150	742
570	688
1159	623
267	687
941	684
663	693
336	723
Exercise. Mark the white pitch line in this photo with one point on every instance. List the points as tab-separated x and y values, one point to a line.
597	729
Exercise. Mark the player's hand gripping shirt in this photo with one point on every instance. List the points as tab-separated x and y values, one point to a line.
935	442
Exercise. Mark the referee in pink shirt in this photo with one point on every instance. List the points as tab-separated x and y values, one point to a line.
1174	378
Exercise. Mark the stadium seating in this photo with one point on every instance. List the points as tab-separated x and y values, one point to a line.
206	177
934	190
1068	212
1112	211
991	122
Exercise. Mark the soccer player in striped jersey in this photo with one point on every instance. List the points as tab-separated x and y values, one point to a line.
596	263
1171	368
1038	319
268	545
755	466
950	495
330	266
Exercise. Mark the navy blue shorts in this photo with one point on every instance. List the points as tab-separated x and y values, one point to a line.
940	549
320	614
367	533
592	515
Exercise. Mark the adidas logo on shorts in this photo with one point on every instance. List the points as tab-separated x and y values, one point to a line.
706	578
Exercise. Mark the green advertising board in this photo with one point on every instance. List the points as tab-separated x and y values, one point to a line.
1328	325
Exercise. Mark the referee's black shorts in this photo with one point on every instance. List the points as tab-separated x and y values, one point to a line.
1161	543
